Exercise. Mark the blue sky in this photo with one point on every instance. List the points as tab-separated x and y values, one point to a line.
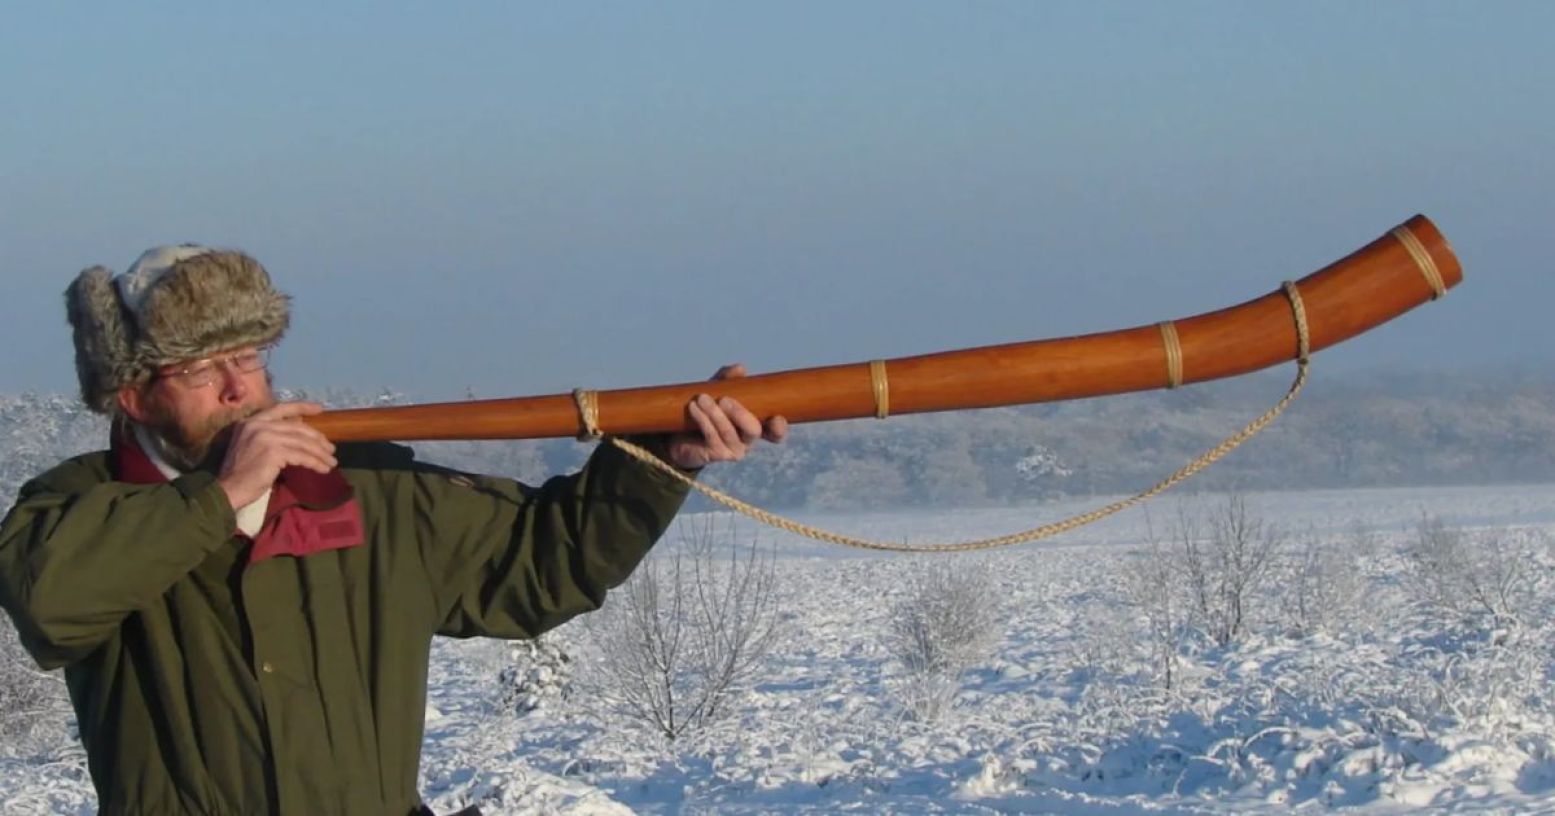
521	199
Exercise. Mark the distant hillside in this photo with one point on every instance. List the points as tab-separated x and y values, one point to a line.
1391	428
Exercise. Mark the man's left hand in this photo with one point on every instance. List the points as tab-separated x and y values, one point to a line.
726	429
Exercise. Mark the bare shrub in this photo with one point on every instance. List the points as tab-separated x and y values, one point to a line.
1152	586
1321	583
687	630
1226	555
946	623
1464	575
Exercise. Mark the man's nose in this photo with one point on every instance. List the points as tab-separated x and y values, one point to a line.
234	384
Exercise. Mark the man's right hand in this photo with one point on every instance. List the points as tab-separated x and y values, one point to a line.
265	443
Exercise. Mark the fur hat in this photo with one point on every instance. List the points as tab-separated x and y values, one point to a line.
175	303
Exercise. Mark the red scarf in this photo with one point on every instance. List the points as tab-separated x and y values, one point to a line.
308	512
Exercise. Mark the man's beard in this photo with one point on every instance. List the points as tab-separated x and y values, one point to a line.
202	447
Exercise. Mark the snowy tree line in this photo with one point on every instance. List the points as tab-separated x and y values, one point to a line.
1391	430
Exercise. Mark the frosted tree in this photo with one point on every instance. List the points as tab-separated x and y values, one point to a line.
1041	473
1225	557
33	703
687	631
1153	588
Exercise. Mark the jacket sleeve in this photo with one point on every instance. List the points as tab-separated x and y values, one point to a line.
512	561
79	553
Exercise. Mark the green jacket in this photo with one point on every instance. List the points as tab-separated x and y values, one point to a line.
205	684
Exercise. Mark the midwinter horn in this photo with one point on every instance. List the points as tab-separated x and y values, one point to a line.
1408	266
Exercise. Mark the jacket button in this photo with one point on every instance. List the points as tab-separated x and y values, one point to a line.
267	668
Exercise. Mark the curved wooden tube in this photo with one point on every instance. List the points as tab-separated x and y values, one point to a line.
1369	287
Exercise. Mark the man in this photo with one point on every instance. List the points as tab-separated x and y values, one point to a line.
243	610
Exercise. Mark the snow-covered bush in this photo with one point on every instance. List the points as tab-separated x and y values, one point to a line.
1487	574
687	631
540	673
1493	687
946	623
1320	583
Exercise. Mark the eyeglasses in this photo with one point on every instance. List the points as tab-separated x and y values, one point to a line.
202	373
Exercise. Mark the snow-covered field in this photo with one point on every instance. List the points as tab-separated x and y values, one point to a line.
1378	701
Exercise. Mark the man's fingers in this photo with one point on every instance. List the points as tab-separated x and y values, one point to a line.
302	454
290	432
309	460
725	440
269	441
730	371
704	420
745	423
728	434
281	443
288	410
728	429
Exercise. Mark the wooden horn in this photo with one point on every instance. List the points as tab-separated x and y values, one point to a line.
1406	267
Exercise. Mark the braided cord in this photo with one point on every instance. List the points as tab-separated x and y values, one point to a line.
1208	458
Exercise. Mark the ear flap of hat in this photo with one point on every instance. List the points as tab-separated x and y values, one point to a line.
105	356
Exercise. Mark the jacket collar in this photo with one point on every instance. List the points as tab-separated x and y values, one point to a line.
307	512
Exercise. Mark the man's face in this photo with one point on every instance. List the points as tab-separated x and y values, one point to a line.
192	405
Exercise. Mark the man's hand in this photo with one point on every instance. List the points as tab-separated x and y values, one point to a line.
726	428
265	443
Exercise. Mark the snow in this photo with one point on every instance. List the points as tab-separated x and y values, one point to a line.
1394	709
